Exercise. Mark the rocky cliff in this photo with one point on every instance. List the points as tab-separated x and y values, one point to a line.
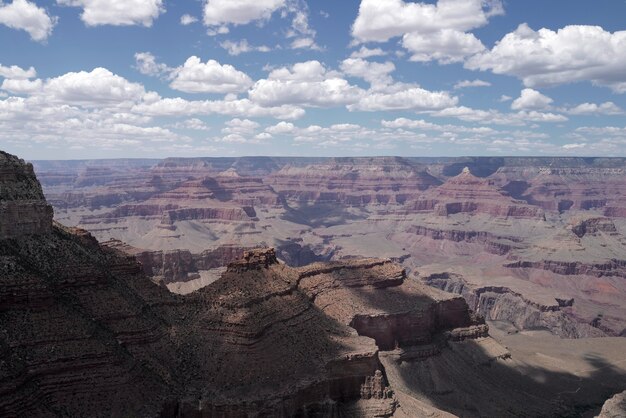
23	208
83	332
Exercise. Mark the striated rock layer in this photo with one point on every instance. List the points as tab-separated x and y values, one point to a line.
84	332
23	209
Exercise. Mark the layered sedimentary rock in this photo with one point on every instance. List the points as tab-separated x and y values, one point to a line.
83	332
466	193
353	181
503	304
23	209
551	222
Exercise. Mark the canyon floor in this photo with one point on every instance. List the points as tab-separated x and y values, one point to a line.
387	264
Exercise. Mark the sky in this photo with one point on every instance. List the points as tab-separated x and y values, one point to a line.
158	78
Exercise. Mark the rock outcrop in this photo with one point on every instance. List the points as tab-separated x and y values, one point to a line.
615	407
466	193
84	332
23	208
552	222
500	303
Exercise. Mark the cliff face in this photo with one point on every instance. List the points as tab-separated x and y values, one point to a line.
84	332
352	181
23	208
499	303
466	193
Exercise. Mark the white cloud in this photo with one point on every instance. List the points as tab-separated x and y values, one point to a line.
240	107
602	130
192	124
100	87
187	19
571	54
300	29
17	73
445	46
21	86
531	99
24	15
373	72
606	108
304	43
471	83
117	12
225	12
381	20
492	116
505	98
236	48
366	52
194	76
307	83
146	64
281	128
240	127
574	146
404	97
420	124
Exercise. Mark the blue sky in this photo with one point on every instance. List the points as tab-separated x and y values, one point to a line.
158	78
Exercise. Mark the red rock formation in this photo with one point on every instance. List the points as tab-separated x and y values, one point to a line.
492	243
467	193
179	265
565	188
353	181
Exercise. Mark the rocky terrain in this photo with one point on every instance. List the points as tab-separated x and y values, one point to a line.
518	235
85	332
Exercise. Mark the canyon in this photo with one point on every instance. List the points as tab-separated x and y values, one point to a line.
514	236
89	328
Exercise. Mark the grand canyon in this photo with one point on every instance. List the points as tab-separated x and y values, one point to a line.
312	209
312	287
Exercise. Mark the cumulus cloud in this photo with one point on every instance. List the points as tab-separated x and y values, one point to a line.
300	30
146	64
373	72
192	124
17	73
117	12
471	83
194	76
445	46
98	87
227	12
381	20
404	97
606	108
365	52
306	83
21	86
492	116
236	48
240	127
186	19
531	99
430	32
177	106
546	57
219	15
281	128
27	16
420	124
